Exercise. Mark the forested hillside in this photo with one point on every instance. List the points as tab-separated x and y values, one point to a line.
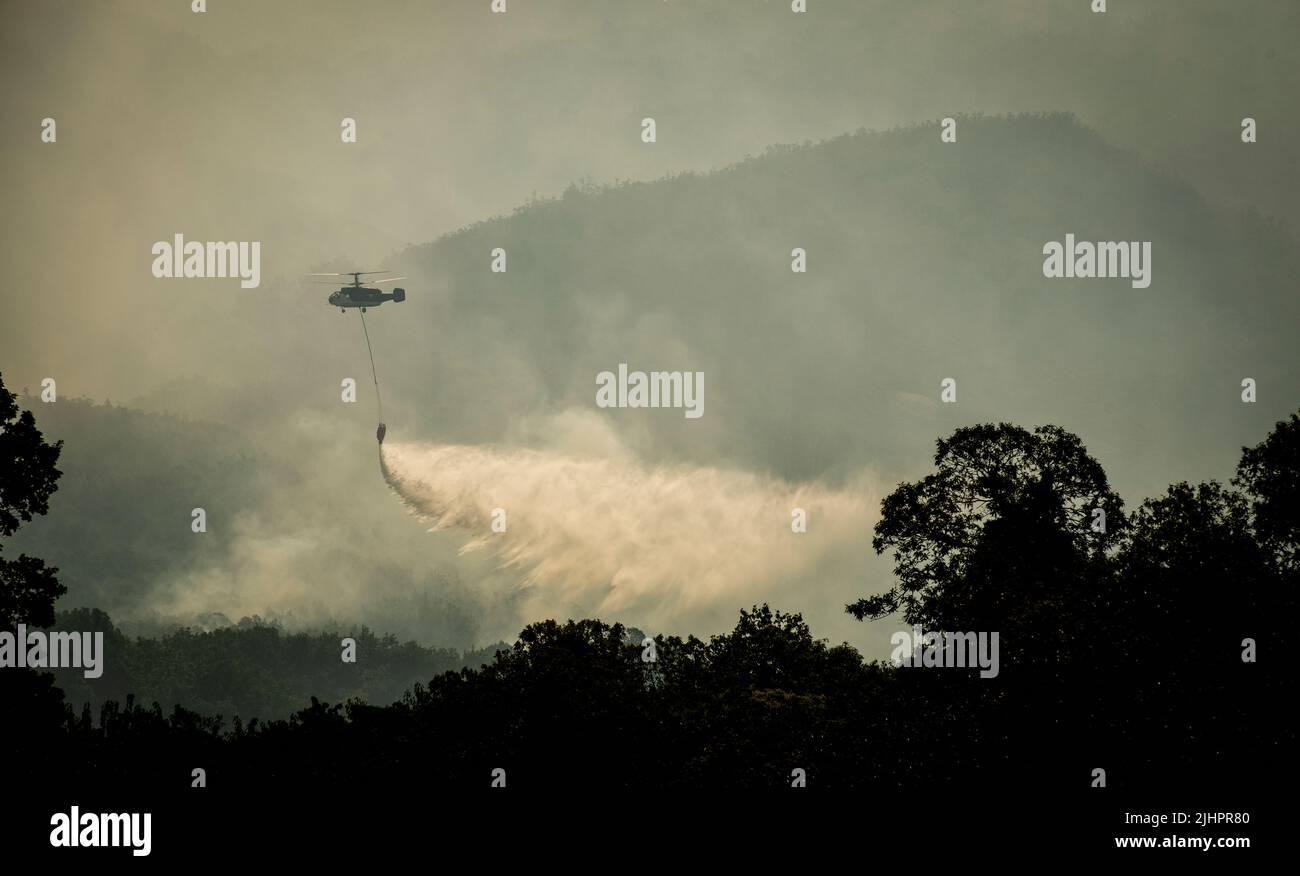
251	669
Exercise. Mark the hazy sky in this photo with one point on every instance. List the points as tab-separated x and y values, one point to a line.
225	125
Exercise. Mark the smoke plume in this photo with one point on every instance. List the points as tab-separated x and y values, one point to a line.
619	539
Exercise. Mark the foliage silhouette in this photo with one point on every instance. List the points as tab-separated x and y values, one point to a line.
1121	649
33	707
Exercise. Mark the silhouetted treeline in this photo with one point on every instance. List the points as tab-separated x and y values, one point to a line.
251	669
1152	644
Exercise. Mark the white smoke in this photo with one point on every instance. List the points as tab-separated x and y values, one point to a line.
614	538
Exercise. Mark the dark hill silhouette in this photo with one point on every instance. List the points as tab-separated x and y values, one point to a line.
924	262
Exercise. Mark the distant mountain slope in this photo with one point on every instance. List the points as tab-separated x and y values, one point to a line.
251	669
924	262
293	534
120	518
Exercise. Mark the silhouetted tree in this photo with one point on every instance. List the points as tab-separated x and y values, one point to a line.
1269	474
28	477
1000	538
32	706
1122	649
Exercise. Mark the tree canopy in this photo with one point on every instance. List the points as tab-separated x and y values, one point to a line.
1125	646
28	477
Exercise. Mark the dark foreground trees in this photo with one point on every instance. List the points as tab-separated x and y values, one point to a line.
31	708
28	478
1122	650
1153	647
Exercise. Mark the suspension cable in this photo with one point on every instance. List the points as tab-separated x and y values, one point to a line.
374	374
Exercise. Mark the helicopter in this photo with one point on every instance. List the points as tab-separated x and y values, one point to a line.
355	295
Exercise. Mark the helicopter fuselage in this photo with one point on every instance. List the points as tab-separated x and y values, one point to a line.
361	296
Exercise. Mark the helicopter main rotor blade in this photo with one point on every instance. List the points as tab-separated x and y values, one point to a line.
387	280
346	273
